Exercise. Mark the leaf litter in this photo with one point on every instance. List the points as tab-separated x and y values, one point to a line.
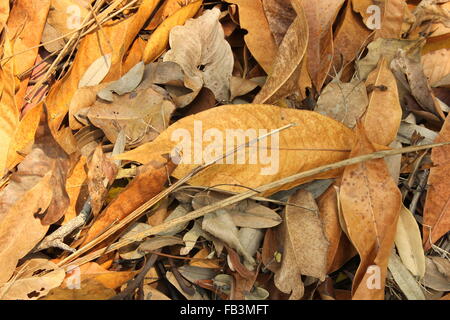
346	195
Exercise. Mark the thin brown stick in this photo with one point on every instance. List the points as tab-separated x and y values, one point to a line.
239	197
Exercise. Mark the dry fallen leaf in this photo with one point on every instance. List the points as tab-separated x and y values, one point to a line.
320	16
384	112
142	114
199	44
288	60
305	245
299	141
37	278
436	220
159	39
370	202
148	183
344	102
409	243
259	38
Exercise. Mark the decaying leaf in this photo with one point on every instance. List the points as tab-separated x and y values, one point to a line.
371	204
142	114
305	245
259	38
436	221
38	276
199	44
344	102
287	61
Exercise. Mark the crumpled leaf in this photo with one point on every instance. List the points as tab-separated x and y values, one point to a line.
200	43
344	102
221	226
287	61
159	39
142	114
20	229
371	203
437	275
378	48
300	142
409	64
38	278
46	155
436	216
126	84
113	38
305	245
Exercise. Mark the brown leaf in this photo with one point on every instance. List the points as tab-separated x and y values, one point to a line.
436	214
259	38
320	16
37	277
90	289
349	38
287	62
409	64
344	102
305	245
20	229
280	15
101	172
143	114
201	42
436	65
340	249
384	112
149	182
9	111
371	204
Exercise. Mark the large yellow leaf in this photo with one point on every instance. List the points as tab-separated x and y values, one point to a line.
316	140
